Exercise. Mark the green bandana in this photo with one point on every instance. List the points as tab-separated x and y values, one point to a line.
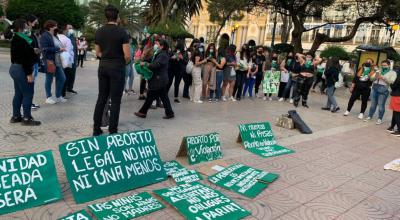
274	64
308	64
289	62
384	70
366	71
143	70
25	37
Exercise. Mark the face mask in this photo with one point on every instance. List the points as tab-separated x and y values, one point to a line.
274	58
259	52
367	65
70	32
384	70
155	47
211	51
27	32
201	50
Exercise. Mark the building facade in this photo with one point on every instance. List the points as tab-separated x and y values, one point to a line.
258	26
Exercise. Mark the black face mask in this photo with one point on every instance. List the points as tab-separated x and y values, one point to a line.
367	65
275	58
259	52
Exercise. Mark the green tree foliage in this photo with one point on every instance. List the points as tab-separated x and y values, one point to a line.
62	11
335	51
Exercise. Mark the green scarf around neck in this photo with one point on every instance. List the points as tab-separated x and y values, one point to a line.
25	37
366	71
384	70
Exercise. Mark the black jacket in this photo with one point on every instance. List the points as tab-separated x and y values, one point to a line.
35	44
22	53
332	76
159	66
396	86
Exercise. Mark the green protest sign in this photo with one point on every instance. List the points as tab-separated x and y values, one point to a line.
101	166
172	167
201	148
28	181
186	176
259	139
243	179
80	215
196	201
127	207
271	81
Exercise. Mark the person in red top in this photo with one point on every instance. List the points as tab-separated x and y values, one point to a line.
395	106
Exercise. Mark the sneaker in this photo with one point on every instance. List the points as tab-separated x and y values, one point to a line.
177	101
198	102
379	122
305	105
390	130
224	98
153	106
270	98
97	133
34	107
346	113
62	100
280	100
142	97
169	116
265	98
326	108
361	116
291	101
233	99
396	133
216	100
367	119
14	120
73	91
210	100
30	122
132	92
335	110
50	101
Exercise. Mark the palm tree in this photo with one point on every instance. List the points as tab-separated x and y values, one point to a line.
129	12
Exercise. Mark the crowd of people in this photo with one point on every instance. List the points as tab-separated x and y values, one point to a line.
209	73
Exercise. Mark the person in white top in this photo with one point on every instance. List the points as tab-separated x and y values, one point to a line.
67	57
242	69
82	47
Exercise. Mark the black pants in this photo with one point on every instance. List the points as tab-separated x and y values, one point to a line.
319	79
111	84
142	85
177	75
80	59
259	77
395	120
282	86
157	94
303	89
71	82
358	91
187	79
68	73
240	78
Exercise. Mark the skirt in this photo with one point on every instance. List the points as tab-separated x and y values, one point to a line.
395	103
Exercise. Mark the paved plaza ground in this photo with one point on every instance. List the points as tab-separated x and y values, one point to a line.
335	173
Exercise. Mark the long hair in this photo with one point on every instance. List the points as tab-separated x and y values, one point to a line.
214	55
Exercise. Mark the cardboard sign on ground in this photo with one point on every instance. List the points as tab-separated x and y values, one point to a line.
200	148
79	215
184	175
212	167
243	179
101	166
172	167
28	181
394	165
259	139
196	201
127	207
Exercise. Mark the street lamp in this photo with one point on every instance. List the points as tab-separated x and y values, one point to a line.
234	28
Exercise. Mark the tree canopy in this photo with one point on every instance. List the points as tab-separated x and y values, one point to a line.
62	11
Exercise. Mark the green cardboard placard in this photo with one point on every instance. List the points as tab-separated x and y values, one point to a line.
196	201
101	166
27	181
127	207
184	175
172	167
243	179
79	215
271	81
259	139
201	148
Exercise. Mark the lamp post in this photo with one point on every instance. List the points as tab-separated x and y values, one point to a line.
235	27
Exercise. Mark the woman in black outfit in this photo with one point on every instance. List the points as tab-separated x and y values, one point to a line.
23	58
157	85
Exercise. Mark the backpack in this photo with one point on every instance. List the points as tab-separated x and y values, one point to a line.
189	67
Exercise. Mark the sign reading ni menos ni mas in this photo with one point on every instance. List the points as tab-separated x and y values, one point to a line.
201	148
27	181
101	166
259	139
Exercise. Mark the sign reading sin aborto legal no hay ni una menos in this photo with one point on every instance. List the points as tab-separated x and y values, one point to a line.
201	148
101	166
27	181
259	139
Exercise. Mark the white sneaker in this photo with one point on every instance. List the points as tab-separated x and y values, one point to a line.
50	101
224	98
270	98
367	119
346	113
198	102
291	101
280	100
379	122
265	98
62	100
361	116
233	99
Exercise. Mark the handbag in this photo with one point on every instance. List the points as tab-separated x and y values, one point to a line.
189	67
233	72
51	67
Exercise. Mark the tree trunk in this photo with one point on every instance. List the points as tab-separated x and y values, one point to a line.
218	32
297	33
285	30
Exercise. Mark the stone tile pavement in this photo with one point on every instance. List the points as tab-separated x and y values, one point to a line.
336	173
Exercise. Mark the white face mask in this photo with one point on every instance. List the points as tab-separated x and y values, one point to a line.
70	31
155	47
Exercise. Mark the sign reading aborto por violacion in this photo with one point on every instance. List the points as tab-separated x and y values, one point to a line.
201	148
101	166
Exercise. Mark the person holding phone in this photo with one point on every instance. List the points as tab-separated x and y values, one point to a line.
23	57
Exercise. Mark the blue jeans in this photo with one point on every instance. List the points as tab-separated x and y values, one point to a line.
219	78
23	91
379	96
330	92
60	80
35	70
129	76
248	85
291	83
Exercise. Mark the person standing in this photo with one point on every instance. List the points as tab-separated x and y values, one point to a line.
159	80
361	86
380	93
319	76
67	57
82	46
129	70
176	69
261	62
23	57
112	47
229	73
32	22
332	76
52	48
198	62
250	77
395	106
71	81
242	71
286	68
208	70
